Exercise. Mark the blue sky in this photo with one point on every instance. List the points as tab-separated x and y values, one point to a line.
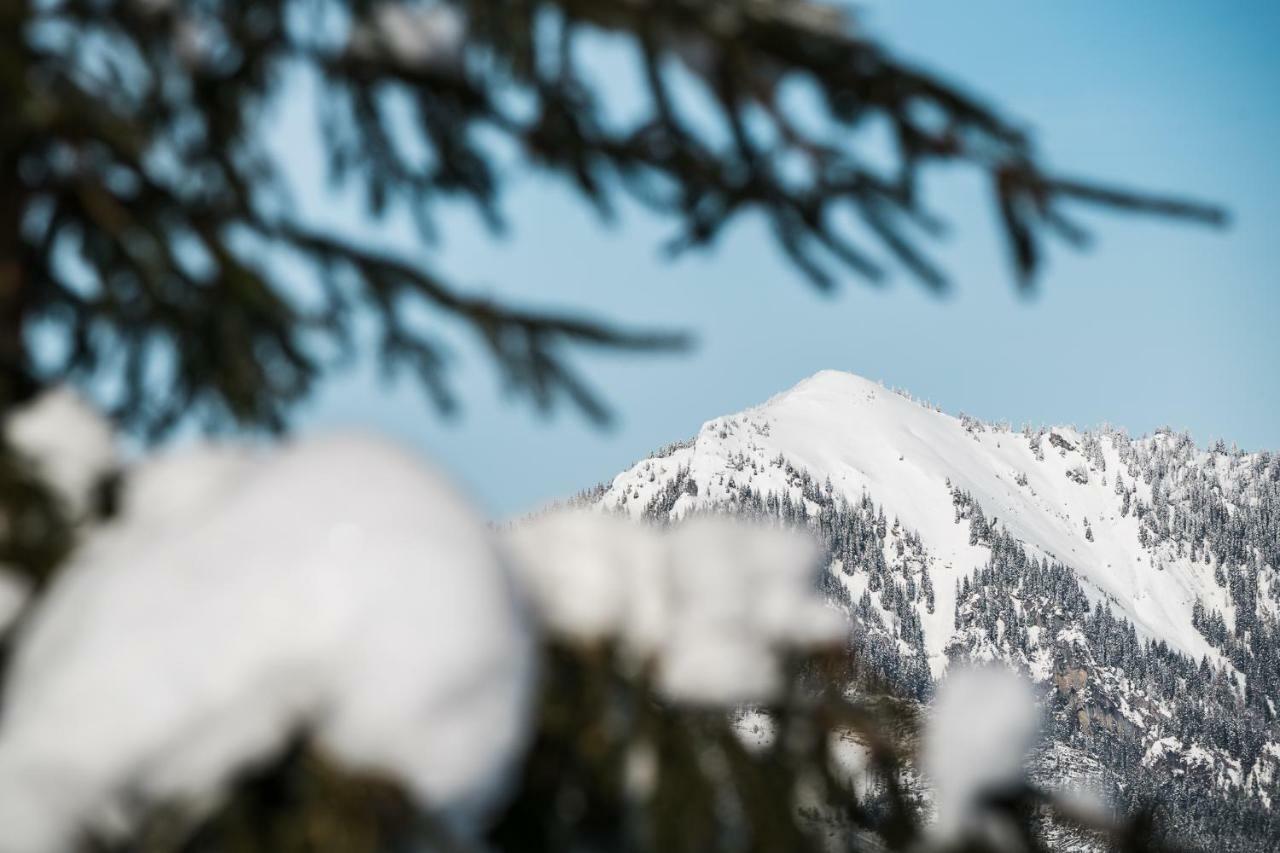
1157	324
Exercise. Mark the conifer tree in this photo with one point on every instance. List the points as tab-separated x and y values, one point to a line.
143	217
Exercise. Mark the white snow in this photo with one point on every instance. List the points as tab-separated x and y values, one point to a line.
755	729
593	577
70	444
336	584
733	576
174	486
983	724
867	438
850	760
703	667
710	606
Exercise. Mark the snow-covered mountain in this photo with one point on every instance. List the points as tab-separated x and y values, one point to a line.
1134	579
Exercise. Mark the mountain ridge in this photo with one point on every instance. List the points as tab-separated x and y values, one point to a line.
1134	580
896	455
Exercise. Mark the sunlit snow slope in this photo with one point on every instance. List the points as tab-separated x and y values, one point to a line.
908	458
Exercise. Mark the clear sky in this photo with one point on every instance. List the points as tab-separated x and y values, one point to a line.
1158	324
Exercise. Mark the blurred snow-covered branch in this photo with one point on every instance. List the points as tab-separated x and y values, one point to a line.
709	608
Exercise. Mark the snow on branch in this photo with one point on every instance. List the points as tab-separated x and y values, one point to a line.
710	608
336	588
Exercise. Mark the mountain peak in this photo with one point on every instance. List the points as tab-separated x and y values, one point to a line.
1058	551
1053	491
836	380
832	383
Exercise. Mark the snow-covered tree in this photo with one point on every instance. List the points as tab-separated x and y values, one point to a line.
143	223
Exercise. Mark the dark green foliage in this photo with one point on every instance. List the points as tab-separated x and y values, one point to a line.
36	532
615	767
144	220
1224	510
142	210
299	802
1013	593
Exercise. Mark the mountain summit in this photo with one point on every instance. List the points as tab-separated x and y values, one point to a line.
1054	490
1134	578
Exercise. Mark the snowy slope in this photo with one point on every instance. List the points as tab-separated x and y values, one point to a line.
908	458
